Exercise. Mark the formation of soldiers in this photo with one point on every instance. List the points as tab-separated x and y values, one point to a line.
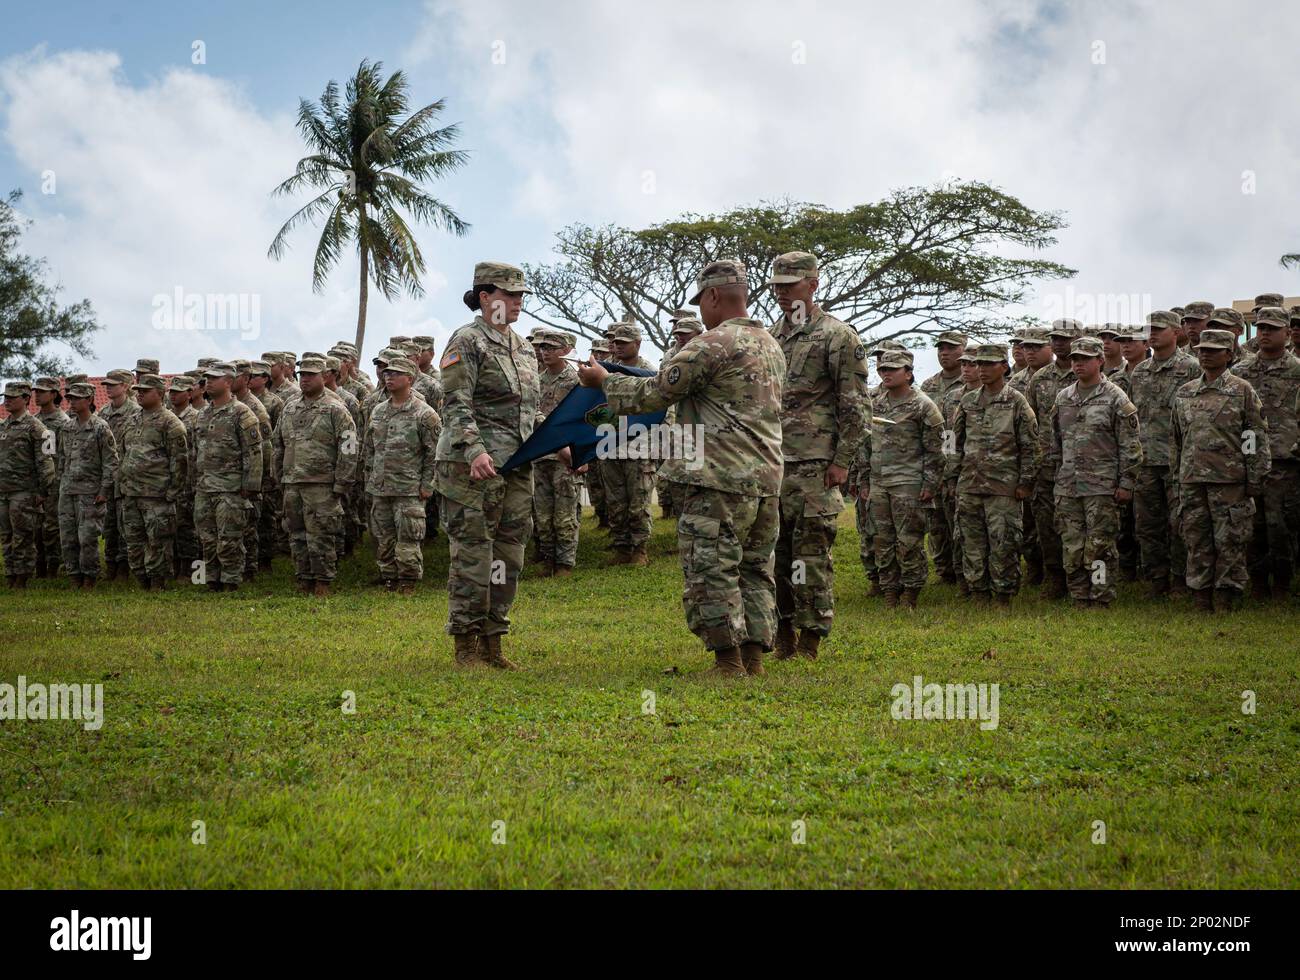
1072	458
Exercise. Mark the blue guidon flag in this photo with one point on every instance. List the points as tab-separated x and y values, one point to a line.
573	423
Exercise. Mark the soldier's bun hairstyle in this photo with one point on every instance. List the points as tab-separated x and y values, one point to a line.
471	296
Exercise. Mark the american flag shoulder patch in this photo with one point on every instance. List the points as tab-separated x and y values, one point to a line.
448	359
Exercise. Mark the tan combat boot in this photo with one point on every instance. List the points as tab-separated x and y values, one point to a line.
909	597
491	647
638	556
891	598
619	556
321	589
468	651
751	655
874	589
1226	600
563	571
809	641
784	640
727	662
1204	599
406	588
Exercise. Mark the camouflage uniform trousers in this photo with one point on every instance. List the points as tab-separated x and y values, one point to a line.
1217	520
81	521
1049	541
627	501
664	491
866	525
314	516
398	527
282	538
114	535
948	502
252	532
554	511
1088	527
48	548
596	489
1126	545
149	526
900	518
991	538
267	526
223	520
1156	524
1029	547
431	518
805	593
940	533
1277	519
20	521
187	549
487	543
727	542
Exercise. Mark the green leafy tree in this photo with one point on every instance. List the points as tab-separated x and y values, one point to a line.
367	163
921	261
30	315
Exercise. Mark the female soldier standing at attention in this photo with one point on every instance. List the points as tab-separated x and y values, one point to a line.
489	378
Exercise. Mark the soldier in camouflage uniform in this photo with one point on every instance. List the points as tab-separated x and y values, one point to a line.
349	534
272	538
87	466
905	456
628	481
47	394
316	451
121	408
424	362
1131	342
859	487
685	327
151	478
991	473
400	449
1219	447
1195	318
241	391
947	495
951	344
491	392
596	482
1095	437
1047	383
556	494
27	480
1154	383
186	549
729	381
1275	376
1034	342
824	419
1112	350
227	455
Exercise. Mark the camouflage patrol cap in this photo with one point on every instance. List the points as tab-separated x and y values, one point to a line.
570	339
680	315
1217	339
990	354
723	272
288	357
146	365
549	338
792	267
503	276
75	379
1272	316
625	331
1132	332
403	365
1294	313
954	337
1180	310
1016	338
386	355
222	369
1227	316
1268	299
1109	328
181	382
1086	347
81	389
18	389
45	384
966	357
195	374
396	341
311	365
1197	310
149	382
241	365
688	325
270	356
880	346
1035	336
1164	318
1065	328
256	368
119	376
332	363
423	342
895	359
599	347
314	353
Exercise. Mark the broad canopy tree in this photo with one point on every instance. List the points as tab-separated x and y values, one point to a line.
921	261
31	317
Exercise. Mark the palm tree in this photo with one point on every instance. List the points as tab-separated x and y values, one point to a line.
367	163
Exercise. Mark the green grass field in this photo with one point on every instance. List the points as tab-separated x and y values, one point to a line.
227	709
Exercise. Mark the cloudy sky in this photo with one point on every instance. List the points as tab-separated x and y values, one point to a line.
1167	132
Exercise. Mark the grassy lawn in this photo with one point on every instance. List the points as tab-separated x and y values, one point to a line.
228	710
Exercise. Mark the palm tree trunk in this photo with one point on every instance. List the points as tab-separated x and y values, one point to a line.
361	309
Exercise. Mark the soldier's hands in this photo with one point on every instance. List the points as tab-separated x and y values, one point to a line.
927	496
1123	496
425	494
566	457
482	468
592	374
836	476
101	499
1023	493
582	469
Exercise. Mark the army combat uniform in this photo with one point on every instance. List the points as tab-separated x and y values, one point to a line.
556	493
48	551
187	549
728	380
1095	437
995	441
400	450
628	482
151	476
228	456
936	517
27	475
824	419
87	465
114	535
